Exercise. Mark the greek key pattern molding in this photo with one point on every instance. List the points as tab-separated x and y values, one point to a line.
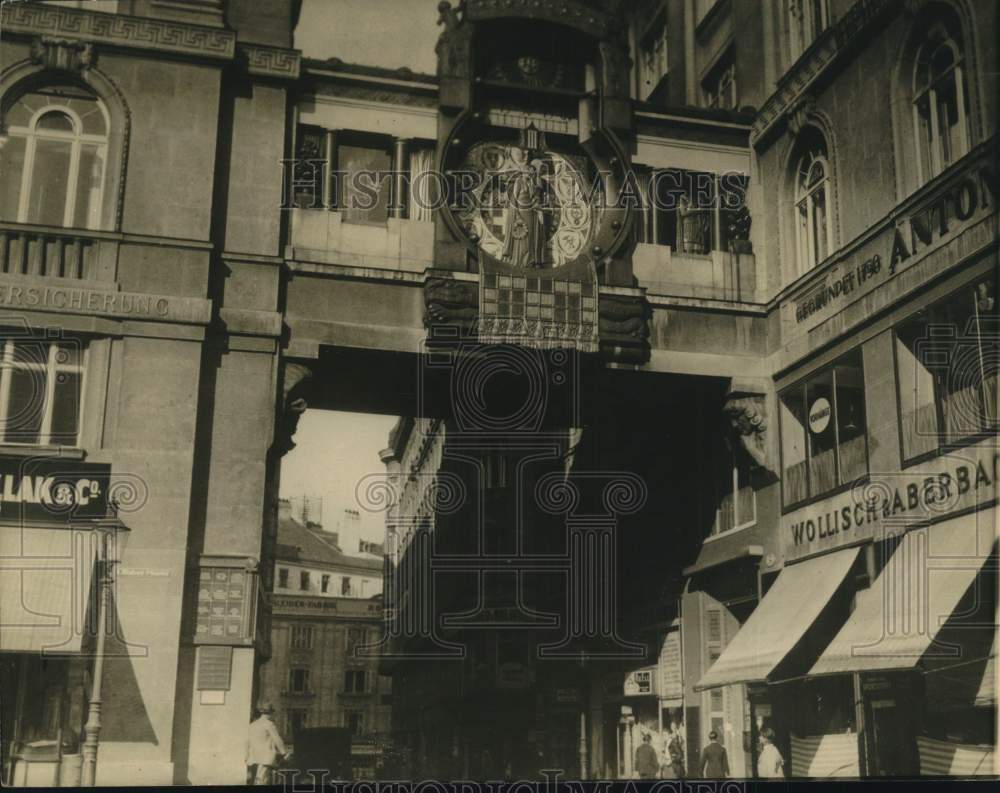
118	29
272	61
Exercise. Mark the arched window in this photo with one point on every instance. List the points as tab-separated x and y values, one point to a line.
940	102
813	207
53	155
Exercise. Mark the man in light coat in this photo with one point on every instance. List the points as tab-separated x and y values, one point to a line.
264	747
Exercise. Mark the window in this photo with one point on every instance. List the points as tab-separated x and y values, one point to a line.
324	584
947	385
283	577
298	680
719	86
356	638
691	211
296	720
813	202
737	501
806	20
653	56
304	580
354	681
354	720
53	158
823	435
345	586
41	385
715	642
940	102
365	183
301	637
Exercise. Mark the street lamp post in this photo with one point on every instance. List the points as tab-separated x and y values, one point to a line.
113	538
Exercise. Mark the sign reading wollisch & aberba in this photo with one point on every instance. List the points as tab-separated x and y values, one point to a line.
36	490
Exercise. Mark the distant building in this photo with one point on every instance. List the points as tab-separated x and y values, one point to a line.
326	605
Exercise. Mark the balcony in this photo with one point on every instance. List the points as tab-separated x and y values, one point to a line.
323	236
54	252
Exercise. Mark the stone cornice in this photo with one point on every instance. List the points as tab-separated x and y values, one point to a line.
118	30
815	61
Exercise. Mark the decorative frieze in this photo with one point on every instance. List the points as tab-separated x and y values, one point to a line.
118	29
271	61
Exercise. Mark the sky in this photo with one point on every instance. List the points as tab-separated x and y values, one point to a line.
333	452
387	33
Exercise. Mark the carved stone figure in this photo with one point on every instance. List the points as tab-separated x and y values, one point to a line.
524	228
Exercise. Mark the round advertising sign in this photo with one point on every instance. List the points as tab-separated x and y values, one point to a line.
819	415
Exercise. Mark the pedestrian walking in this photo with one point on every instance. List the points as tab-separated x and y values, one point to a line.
646	762
714	761
264	748
770	764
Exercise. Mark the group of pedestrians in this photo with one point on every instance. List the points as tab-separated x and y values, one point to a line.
713	763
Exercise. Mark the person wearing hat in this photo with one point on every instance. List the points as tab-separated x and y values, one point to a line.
264	748
714	762
647	764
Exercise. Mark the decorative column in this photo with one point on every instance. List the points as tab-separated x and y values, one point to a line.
400	172
330	187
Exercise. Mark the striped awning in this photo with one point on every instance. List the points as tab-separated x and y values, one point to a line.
786	612
45	582
896	621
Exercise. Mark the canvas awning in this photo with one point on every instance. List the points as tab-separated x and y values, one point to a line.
896	620
786	612
45	582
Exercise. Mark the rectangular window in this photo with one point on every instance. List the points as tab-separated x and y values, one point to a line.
296	720
301	637
41	388
304	580
824	440
719	86
298	680
946	372
283	577
354	681
653	62
356	637
345	586
354	720
365	183
692	212
806	20
324	584
736	499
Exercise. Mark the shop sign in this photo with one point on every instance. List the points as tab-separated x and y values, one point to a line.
48	490
641	682
819	416
894	502
512	675
671	682
567	695
969	198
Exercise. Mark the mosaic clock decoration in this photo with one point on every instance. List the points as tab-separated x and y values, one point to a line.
530	209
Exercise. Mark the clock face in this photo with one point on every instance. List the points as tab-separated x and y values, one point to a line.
530	209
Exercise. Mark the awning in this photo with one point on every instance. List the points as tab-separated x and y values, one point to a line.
45	580
790	606
896	620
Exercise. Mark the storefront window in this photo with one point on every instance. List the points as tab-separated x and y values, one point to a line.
40	391
947	387
823	432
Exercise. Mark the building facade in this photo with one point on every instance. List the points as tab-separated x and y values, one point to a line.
774	376
326	621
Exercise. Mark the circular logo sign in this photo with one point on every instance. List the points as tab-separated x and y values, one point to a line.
819	415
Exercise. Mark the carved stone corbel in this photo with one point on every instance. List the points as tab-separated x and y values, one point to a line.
799	113
298	380
65	54
745	407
